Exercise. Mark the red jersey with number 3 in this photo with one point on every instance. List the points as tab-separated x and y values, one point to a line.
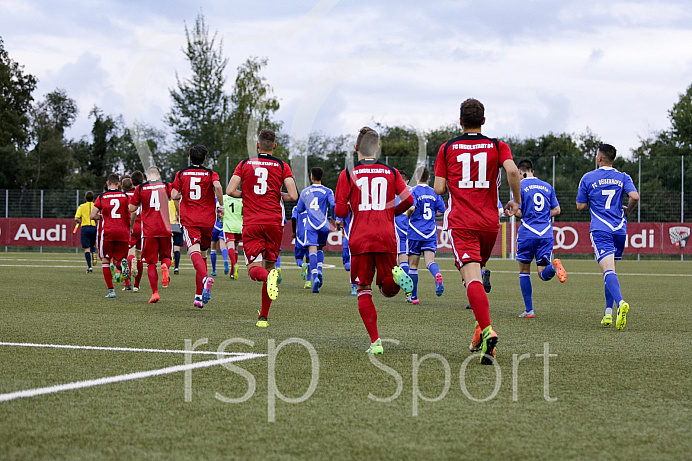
471	164
116	216
370	189
262	179
198	200
153	197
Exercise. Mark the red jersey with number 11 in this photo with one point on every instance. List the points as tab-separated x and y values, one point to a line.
198	200
262	179
153	197
115	224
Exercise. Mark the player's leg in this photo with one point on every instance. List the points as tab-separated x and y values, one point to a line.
609	247
607	319
362	273
212	255
429	249
192	237
390	277
526	289
311	237
237	239
402	251
346	260
221	243
105	254
413	260
165	247
86	244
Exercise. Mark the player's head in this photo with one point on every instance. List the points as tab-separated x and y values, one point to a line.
316	174
368	142
126	182
113	181
266	141
137	178
404	175
153	173
198	154
607	154
525	165
89	196
472	114
424	175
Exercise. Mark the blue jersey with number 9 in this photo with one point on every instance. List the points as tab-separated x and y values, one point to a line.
537	199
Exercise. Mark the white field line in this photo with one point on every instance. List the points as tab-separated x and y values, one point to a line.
123	349
587	273
125	377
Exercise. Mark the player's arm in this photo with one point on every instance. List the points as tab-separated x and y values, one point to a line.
410	211
440	185
300	206
406	197
633	199
554	211
341	208
514	180
581	206
218	191
232	188
291	193
95	213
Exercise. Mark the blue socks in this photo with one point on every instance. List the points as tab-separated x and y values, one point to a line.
526	290
313	263
212	254
278	262
404	265
224	253
413	273
613	286
547	273
609	301
434	268
320	260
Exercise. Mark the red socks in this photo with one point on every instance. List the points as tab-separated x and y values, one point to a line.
389	288
266	302
106	268
201	270
153	277
479	302
140	272
367	311
258	274
233	256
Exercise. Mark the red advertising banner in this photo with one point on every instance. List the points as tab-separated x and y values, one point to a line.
573	237
676	239
37	232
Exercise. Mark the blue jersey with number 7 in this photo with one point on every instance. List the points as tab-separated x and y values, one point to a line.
603	190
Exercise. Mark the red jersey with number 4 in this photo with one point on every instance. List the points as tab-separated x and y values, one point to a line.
370	189
262	179
116	216
198	202
471	164
153	198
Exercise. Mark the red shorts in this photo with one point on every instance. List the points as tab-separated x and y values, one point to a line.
363	267
472	245
113	249
262	242
201	235
135	241
156	249
231	236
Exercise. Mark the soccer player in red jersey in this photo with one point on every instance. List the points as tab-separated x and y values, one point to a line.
135	243
468	166
194	189
111	207
263	214
369	191
152	199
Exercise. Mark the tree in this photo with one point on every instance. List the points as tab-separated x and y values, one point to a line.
200	110
681	120
16	87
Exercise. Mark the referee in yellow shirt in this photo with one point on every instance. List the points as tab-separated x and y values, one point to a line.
83	217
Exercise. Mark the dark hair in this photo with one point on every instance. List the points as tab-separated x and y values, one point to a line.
425	175
137	178
89	196
198	153
316	173
127	183
403	174
113	179
607	151
266	140
525	164
472	113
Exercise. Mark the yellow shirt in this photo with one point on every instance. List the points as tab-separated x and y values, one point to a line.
172	212
84	213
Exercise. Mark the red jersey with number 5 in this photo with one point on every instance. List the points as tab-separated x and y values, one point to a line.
153	197
370	189
262	179
471	164
198	200
116	216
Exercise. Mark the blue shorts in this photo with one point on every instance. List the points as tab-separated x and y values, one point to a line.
345	255
217	234
317	237
403	248
417	247
88	236
606	243
300	252
541	249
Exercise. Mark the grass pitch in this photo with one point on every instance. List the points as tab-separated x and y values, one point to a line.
606	394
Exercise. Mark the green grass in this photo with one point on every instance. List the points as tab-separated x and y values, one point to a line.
620	394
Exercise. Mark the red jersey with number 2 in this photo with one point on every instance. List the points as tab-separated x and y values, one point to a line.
153	197
471	164
116	216
370	189
262	179
198	200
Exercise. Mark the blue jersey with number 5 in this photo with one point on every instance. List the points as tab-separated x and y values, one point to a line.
422	223
603	190
537	199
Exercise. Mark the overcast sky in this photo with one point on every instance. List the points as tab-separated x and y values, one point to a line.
538	66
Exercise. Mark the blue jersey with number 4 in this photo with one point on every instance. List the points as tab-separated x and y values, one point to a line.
603	190
422	224
318	201
537	199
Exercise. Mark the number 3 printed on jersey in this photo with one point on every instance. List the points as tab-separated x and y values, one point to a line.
262	175
373	193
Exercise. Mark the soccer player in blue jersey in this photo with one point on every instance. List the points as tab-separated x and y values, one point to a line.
401	227
318	201
602	190
299	221
345	224
422	233
535	235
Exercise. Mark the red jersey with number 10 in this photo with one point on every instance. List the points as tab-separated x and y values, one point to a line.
153	197
115	224
471	164
262	179
198	200
370	190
